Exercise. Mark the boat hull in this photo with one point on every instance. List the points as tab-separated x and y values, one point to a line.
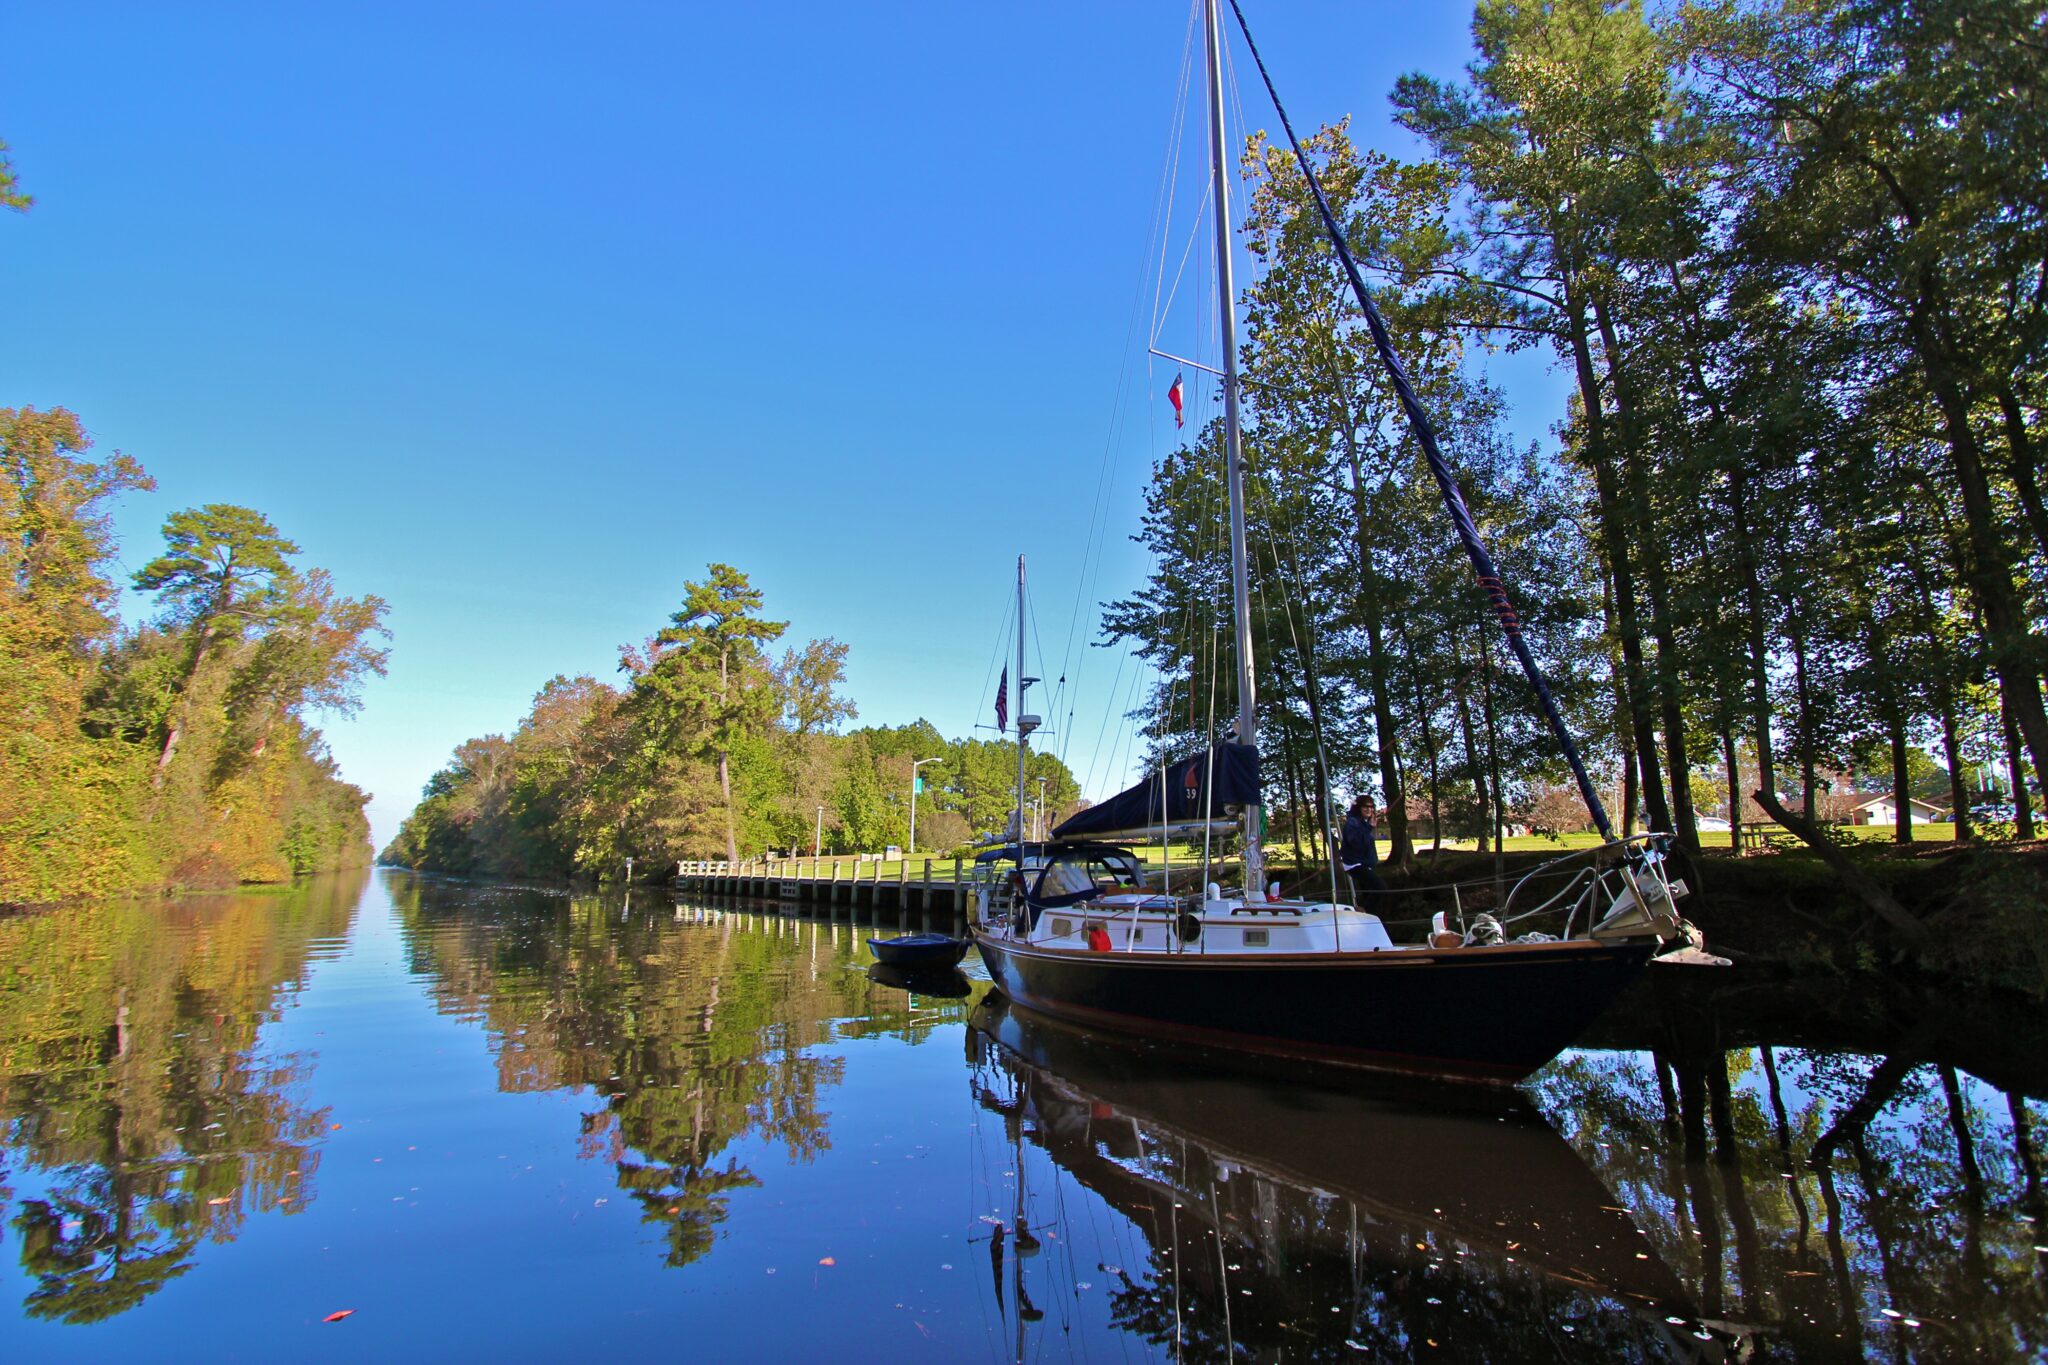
1482	1014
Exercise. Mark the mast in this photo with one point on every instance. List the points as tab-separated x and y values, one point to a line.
1022	728
1240	585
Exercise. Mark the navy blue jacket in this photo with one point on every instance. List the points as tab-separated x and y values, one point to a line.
1358	847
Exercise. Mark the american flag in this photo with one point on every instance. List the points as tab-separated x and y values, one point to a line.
1003	702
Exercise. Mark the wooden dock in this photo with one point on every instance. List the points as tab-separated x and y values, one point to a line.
906	885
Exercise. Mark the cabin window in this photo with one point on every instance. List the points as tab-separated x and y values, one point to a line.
1255	938
1062	927
1137	935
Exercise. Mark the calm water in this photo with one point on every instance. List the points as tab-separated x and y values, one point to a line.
513	1124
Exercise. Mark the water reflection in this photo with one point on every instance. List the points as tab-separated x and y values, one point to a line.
1284	1218
691	1028
752	1095
139	1117
1851	1205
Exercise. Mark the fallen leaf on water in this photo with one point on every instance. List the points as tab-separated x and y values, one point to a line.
337	1317
333	1127
222	1200
827	1260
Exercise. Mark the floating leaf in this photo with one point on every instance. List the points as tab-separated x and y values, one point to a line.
827	1260
338	1316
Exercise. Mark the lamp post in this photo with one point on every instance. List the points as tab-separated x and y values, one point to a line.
1039	831
818	839
915	764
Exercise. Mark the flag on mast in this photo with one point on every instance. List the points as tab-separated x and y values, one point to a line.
1003	702
1173	396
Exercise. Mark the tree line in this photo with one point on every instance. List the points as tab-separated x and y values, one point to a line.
1793	255
711	745
176	751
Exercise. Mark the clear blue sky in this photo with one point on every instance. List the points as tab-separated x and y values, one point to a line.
518	315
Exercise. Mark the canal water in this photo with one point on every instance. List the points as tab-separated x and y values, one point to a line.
391	1117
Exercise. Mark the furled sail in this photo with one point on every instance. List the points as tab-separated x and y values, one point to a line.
1205	787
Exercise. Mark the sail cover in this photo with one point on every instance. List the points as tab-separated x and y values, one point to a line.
1197	788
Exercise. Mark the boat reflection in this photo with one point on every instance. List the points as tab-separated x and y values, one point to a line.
947	983
1283	1218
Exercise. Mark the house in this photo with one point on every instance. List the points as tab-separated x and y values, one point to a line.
1880	810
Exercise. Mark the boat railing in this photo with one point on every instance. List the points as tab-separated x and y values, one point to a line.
1576	890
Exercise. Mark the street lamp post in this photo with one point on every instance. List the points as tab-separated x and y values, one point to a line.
915	764
818	839
1041	808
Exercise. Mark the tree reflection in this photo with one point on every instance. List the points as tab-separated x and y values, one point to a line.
135	1108
694	1029
1837	1204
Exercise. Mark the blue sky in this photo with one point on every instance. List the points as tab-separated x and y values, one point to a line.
518	315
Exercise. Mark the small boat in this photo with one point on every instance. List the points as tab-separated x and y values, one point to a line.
919	950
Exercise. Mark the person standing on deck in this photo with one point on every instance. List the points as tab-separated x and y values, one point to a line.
1358	849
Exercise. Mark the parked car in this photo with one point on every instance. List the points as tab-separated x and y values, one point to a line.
1994	814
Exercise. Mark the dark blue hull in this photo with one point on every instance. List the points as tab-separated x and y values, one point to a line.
1486	1014
920	950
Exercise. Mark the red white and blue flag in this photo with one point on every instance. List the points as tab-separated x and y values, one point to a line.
1173	396
1003	702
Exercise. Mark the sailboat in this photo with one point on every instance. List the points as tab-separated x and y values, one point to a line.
1076	931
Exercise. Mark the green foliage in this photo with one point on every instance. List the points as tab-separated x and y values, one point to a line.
11	194
172	753
706	751
1798	536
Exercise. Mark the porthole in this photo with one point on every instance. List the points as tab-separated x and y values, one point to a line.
1255	938
1062	927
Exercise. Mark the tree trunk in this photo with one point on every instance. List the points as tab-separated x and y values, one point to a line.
1902	782
1732	761
1678	762
1615	540
2026	477
1400	849
177	725
1805	742
1951	750
1630	794
1624	730
1986	566
732	847
2022	799
1492	746
1292	766
1473	761
1422	710
1759	654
